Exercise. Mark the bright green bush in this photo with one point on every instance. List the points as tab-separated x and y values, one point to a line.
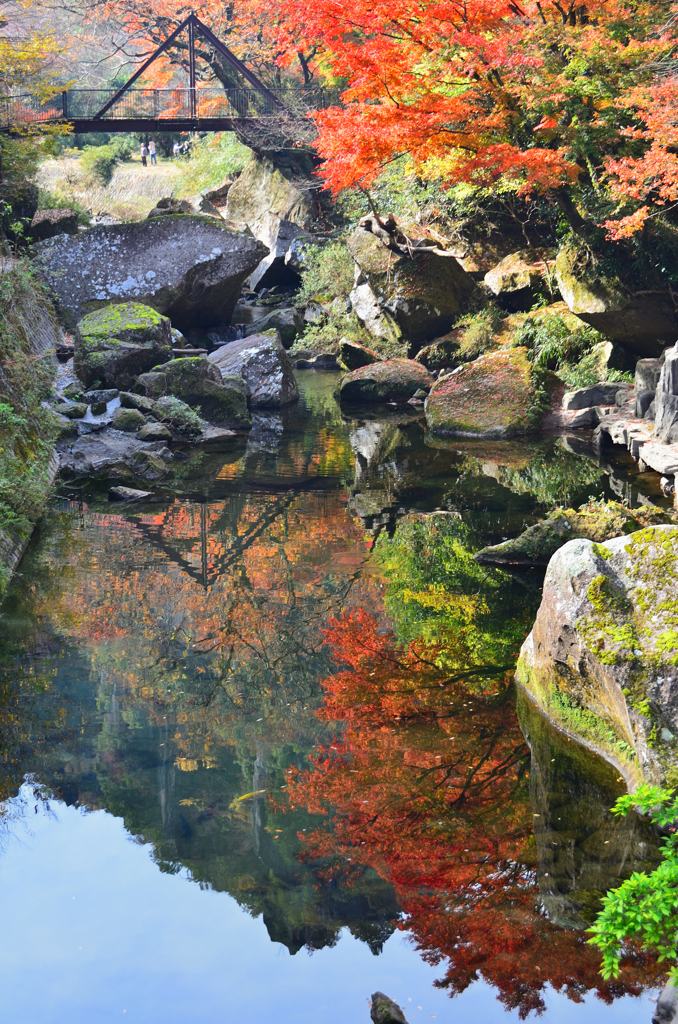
644	909
329	273
99	162
216	157
575	355
479	330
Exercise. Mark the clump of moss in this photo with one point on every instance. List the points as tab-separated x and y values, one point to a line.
180	415
27	429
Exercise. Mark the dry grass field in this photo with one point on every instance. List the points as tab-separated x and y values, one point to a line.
131	193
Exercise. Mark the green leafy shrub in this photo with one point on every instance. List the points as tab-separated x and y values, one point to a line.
576	355
99	162
644	908
325	337
218	156
328	274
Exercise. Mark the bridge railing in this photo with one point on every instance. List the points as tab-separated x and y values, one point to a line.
161	104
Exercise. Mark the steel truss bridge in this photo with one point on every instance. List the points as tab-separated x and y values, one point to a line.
195	108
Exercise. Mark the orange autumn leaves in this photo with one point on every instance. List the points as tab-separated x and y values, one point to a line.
427	782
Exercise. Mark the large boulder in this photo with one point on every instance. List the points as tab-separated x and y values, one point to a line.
497	395
288	322
264	364
189	268
198	383
115	344
515	282
353	355
602	658
48	223
415	295
262	191
643	321
393	380
278	235
666	400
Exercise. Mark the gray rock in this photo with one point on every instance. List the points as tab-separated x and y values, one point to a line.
288	322
48	223
277	234
115	344
101	396
128	420
98	408
385	1010
107	454
594	394
149	466
71	410
419	294
263	362
154	432
189	268
262	190
128	400
643	402
127	494
315	313
197	382
644	321
648	372
666	1011
392	380
600	659
666	400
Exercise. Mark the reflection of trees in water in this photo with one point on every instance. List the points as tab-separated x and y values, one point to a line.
429	784
164	680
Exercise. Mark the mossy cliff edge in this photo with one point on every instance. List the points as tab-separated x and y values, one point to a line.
29	333
602	657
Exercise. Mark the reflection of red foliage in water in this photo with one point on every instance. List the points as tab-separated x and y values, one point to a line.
428	784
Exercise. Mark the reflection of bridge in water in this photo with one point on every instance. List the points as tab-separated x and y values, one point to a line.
197	107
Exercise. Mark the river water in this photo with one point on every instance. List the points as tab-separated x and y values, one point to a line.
262	754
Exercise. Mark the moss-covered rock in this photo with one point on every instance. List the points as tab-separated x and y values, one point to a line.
421	292
262	189
198	383
128	420
443	353
149	467
128	400
72	410
644	321
264	365
353	356
115	344
392	380
497	395
154	432
597	521
602	658
179	415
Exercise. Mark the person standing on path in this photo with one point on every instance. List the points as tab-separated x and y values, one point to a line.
176	149
151	150
144	154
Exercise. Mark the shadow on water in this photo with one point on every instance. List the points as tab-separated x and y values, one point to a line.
314	596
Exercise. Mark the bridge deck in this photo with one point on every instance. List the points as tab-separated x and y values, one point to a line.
158	110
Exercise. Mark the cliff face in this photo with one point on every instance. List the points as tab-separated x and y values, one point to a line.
29	334
602	657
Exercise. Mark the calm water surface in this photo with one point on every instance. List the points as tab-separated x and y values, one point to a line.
261	753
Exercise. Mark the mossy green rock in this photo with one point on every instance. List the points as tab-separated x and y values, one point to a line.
441	353
393	380
643	321
128	400
128	420
497	395
596	521
198	383
154	432
72	410
422	292
602	657
115	344
149	466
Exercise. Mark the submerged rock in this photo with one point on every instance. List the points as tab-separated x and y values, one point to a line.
189	268
198	383
597	522
392	380
128	494
413	296
115	344
602	658
264	364
497	395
